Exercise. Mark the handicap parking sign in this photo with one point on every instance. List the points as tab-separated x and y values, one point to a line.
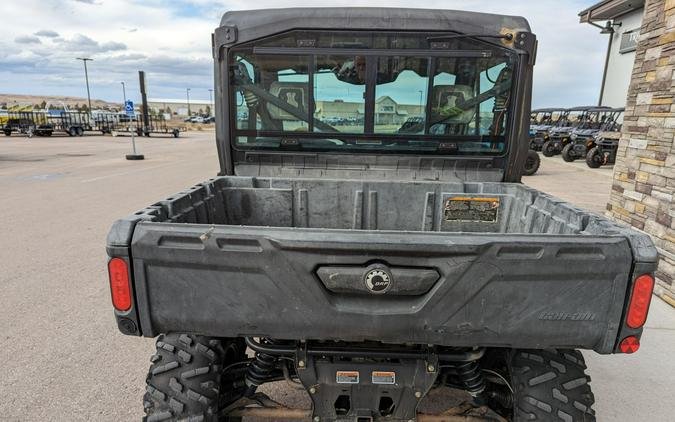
129	108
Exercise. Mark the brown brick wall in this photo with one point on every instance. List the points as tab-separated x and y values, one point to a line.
644	175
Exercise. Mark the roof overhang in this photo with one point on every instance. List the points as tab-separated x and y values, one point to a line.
609	9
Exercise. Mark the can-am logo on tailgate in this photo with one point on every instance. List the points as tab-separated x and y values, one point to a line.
378	281
567	316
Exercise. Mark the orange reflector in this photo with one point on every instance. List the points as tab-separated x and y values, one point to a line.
639	302
119	284
629	345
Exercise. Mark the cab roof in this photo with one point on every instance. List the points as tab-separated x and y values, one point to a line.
253	24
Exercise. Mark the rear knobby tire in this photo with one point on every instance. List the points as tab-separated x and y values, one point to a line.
568	154
185	381
532	163
550	385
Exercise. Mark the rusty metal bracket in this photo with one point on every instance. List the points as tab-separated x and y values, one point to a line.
432	361
527	41
301	356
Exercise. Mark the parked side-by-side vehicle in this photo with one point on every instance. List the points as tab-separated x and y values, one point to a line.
583	137
371	262
577	118
541	123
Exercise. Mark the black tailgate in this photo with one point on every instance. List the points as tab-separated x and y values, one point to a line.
525	291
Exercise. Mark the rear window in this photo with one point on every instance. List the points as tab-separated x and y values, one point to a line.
371	92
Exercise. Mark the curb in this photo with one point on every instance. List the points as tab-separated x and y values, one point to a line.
669	300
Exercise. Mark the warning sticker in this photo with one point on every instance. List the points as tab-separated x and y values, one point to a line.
380	377
477	209
347	377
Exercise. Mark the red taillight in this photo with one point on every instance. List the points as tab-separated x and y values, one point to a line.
629	345
119	284
639	302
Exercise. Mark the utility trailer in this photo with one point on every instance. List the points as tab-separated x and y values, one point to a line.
105	122
20	122
156	125
47	122
29	123
71	123
366	263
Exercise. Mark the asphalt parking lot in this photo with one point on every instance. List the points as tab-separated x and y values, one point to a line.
63	357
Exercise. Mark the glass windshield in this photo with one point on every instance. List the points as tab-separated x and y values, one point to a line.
378	92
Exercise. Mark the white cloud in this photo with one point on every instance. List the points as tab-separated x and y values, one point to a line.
27	39
47	33
171	41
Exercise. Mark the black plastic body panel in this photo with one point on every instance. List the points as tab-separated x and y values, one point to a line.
505	290
516	291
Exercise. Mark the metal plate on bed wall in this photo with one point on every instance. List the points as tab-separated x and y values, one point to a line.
471	209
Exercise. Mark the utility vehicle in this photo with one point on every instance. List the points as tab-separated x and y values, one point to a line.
365	264
604	151
583	139
578	118
545	119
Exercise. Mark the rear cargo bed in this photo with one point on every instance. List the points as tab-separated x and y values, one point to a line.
368	205
473	264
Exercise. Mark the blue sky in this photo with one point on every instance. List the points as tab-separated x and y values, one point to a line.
170	40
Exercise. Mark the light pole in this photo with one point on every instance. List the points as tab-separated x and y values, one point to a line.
210	101
86	77
188	101
124	92
421	92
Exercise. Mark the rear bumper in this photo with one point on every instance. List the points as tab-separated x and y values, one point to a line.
516	291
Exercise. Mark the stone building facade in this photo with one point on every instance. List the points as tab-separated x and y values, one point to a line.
644	175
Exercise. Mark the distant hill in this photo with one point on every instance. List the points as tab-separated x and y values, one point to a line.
12	99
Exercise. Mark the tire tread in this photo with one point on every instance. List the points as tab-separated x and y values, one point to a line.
184	380
551	386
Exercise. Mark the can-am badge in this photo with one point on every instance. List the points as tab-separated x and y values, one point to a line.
378	281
